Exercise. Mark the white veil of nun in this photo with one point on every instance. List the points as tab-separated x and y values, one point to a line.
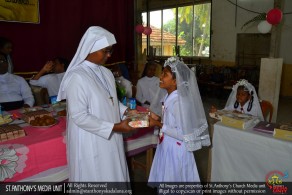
94	39
193	120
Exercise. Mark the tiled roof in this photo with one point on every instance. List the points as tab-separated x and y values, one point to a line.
168	38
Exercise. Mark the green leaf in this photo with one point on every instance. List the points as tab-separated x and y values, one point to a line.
261	16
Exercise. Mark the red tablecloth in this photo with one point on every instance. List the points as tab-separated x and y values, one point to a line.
41	155
40	150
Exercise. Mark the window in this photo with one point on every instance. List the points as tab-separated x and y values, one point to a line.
181	30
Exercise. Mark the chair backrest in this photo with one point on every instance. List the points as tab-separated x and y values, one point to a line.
40	94
26	75
267	109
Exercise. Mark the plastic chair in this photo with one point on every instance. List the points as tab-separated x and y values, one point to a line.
267	109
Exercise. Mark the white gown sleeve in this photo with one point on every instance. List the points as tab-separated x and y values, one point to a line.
173	130
42	81
26	92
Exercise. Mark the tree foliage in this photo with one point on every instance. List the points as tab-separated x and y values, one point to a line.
193	27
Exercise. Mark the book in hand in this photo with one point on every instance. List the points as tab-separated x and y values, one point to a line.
265	127
239	120
283	131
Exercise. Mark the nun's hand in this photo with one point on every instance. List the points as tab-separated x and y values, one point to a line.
123	127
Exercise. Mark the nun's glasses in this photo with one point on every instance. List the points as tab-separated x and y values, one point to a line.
108	51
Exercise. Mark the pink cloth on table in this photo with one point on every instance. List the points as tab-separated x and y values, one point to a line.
40	150
45	148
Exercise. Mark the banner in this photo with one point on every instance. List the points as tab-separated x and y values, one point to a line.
26	11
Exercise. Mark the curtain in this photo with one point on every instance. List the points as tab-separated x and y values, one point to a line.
62	24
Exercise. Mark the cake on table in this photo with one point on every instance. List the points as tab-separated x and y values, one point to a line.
43	121
32	115
8	132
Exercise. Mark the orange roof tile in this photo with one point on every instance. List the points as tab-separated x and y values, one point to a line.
168	38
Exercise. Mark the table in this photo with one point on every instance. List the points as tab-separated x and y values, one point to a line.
248	155
144	140
41	155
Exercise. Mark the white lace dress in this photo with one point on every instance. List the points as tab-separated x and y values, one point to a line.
172	162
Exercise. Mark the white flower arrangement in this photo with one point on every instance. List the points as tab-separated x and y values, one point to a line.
243	82
172	59
172	62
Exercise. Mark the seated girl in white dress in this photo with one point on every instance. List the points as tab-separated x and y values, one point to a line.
243	99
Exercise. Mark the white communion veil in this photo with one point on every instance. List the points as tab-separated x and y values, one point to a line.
254	99
193	120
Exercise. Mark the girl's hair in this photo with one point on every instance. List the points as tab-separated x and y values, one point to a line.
236	104
172	73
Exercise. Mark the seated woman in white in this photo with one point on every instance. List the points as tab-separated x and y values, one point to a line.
51	75
148	85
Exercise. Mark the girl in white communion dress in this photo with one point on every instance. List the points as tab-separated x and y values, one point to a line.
184	128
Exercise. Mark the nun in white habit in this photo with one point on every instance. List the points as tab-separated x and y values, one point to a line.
95	150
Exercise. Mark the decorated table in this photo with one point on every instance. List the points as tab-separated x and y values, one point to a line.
41	154
144	140
249	156
35	156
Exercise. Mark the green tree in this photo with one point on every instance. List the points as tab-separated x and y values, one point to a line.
203	11
194	27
